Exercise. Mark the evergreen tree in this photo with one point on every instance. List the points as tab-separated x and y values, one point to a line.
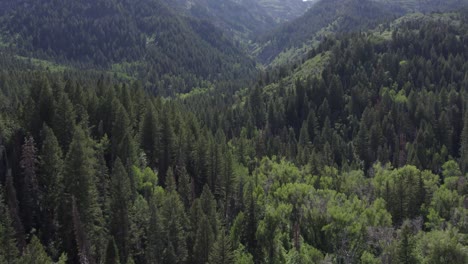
30	187
406	247
80	182
221	252
35	253
204	239
174	222
64	121
155	245
8	248
123	142
112	253
166	151
120	206
464	145
149	135
12	202
50	180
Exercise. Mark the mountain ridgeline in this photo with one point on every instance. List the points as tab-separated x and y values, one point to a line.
144	37
233	132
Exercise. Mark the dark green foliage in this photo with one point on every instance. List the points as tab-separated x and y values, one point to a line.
406	247
354	155
120	207
112	253
8	248
221	252
144	39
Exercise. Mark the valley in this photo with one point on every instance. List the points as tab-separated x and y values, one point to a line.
233	132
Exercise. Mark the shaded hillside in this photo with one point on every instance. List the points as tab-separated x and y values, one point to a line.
144	38
243	19
336	16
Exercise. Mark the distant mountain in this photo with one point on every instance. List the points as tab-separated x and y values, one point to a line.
143	37
242	19
338	16
426	6
325	16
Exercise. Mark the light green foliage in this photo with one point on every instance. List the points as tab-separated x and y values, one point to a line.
146	180
405	190
35	253
442	246
369	258
445	201
241	256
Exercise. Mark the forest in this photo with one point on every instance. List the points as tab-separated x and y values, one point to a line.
355	152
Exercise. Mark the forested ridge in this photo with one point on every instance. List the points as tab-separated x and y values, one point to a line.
356	153
142	39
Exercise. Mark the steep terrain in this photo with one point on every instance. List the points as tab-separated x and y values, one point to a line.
142	38
354	151
292	40
242	19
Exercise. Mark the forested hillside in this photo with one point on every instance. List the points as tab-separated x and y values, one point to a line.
329	17
142	39
356	152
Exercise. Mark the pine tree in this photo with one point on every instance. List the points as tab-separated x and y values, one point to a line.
406	247
120	205
149	135
123	142
221	252
204	239
12	202
50	181
64	121
184	188
8	248
464	145
35	253
166	150
174	225
83	246
79	182
30	187
155	245
112	253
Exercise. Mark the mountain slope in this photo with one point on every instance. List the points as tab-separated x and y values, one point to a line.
243	19
338	16
153	42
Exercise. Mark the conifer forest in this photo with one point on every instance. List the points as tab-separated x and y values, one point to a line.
233	131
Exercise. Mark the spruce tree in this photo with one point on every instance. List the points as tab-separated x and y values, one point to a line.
174	226
221	251
120	205
464	145
122	139
29	195
8	248
35	253
50	181
80	182
112	253
155	245
64	121
204	239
